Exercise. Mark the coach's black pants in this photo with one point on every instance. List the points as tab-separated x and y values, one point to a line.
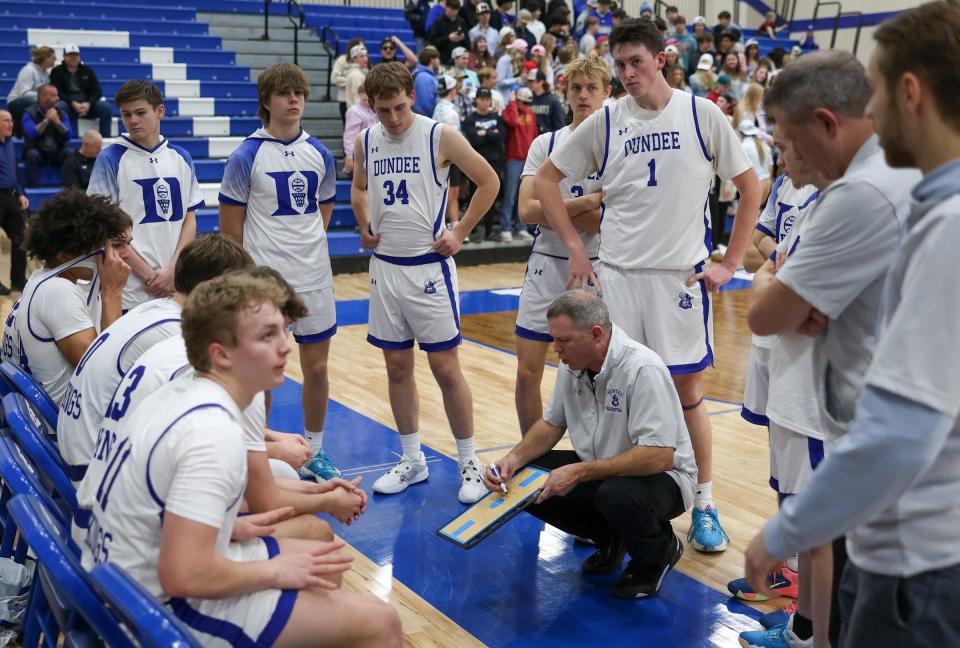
12	222
638	510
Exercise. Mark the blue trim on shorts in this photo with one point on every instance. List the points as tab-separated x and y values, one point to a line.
696	124
75	473
761	228
753	417
440	346
281	614
313	338
814	452
708	358
388	345
448	281
519	331
229	632
423	259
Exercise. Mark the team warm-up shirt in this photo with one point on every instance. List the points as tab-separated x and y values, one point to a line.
547	242
181	453
783	208
631	402
407	191
656	169
849	241
157	188
101	369
51	308
792	394
282	185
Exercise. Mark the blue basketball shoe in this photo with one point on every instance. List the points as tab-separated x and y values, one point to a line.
778	617
319	468
782	580
781	636
705	533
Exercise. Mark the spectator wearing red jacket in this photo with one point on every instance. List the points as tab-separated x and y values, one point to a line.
522	129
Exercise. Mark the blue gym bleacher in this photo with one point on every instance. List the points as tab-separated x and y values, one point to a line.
211	101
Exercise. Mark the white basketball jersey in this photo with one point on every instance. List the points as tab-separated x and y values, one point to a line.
156	187
406	189
282	185
778	217
101	369
547	242
793	392
657	169
181	453
51	308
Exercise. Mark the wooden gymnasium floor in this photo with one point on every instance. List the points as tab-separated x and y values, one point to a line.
521	585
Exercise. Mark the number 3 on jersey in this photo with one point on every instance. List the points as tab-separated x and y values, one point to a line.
393	195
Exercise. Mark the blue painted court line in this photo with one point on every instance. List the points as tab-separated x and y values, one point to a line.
522	586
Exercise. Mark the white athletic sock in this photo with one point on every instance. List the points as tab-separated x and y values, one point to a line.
411	446
465	450
703	499
315	439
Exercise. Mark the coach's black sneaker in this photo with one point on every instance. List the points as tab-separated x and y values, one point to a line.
634	584
607	558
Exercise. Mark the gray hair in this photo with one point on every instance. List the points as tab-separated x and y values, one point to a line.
583	307
92	136
834	80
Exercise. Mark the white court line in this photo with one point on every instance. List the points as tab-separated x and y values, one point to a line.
362	470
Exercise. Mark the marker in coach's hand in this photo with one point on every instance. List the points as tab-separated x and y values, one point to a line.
496	473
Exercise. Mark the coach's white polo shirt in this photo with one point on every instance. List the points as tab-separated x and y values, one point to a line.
631	402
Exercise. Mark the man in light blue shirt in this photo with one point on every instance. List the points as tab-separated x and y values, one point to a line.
893	482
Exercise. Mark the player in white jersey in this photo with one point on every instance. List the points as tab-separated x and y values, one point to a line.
80	240
276	199
165	491
111	355
783	208
656	152
155	183
399	196
167	361
545	278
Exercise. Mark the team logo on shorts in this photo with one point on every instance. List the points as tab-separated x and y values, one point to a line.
429	287
614	404
686	301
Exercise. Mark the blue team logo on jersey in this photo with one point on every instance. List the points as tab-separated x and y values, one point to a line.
614	403
788	224
296	192
162	201
429	287
686	301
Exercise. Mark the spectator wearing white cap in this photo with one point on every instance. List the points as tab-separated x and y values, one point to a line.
808	42
461	57
78	86
759	154
703	81
359	66
672	57
507	36
484	28
699	26
446	112
751	55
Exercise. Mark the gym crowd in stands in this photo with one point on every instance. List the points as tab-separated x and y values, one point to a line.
496	73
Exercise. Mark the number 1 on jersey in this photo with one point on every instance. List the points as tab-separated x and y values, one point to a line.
400	193
652	181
